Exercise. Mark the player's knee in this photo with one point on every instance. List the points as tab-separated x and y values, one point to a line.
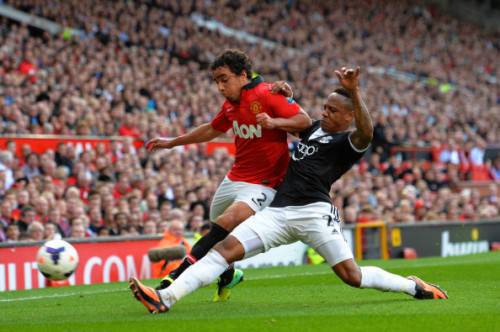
231	249
350	274
222	249
353	278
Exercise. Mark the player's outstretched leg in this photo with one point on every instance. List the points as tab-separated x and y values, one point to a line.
377	278
339	256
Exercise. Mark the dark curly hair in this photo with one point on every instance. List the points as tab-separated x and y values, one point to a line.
236	60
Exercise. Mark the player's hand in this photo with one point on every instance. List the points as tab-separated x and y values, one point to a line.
348	78
265	121
282	88
156	144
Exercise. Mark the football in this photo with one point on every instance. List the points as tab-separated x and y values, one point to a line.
57	260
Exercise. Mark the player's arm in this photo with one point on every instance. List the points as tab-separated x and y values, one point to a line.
284	89
289	117
202	133
295	124
363	135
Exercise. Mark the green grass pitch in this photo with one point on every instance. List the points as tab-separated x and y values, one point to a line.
303	298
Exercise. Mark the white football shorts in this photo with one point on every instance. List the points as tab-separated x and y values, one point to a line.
256	196
316	224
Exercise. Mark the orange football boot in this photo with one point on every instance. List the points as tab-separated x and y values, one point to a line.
427	291
148	296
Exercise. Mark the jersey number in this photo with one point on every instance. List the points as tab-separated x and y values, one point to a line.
330	222
260	201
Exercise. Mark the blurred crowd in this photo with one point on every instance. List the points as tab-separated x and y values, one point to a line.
139	69
120	191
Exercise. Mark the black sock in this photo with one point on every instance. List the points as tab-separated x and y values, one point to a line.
186	262
227	276
200	249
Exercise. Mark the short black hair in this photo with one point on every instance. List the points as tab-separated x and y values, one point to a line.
343	92
236	60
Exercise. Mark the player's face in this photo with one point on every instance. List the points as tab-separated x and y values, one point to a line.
337	113
228	83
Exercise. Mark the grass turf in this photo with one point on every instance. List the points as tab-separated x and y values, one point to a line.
303	298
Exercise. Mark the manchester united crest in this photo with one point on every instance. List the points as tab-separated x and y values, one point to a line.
255	107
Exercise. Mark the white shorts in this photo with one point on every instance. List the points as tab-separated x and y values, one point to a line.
256	196
316	224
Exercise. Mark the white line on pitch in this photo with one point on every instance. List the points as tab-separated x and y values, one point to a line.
53	296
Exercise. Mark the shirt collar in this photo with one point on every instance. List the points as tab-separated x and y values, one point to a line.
253	83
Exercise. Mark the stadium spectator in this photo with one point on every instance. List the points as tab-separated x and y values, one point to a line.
28	216
77	230
173	236
31	168
41	207
23	199
149	228
35	231
96	221
62	223
6	213
3	228
195	223
12	233
6	170
120	222
163	227
51	232
495	169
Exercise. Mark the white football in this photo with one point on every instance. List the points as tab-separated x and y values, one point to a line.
57	259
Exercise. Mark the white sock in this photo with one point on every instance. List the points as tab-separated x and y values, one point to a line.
375	277
200	274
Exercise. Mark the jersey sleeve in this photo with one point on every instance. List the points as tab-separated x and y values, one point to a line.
355	149
280	106
220	122
349	152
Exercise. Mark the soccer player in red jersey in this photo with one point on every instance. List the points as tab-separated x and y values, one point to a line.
302	209
260	120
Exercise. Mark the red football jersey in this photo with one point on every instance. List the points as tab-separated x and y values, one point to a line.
261	154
